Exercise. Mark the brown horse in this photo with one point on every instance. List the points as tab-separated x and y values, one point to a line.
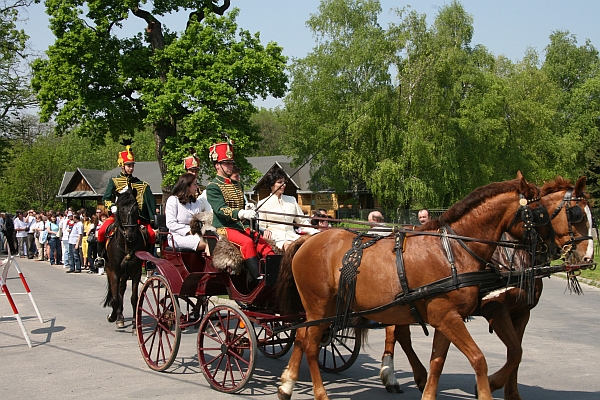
507	310
313	276
122	263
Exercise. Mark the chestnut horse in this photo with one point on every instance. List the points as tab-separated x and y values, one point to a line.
313	275
120	251
508	310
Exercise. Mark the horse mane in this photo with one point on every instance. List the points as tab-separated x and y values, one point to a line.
473	200
557	185
126	199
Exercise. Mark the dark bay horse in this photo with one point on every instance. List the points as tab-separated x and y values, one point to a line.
507	310
124	239
310	276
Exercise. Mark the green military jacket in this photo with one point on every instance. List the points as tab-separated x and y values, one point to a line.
145	198
226	197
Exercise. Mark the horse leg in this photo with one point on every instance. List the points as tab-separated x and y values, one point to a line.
500	321
453	327
290	373
135	282
439	351
386	372
112	295
402	335
311	349
511	388
122	286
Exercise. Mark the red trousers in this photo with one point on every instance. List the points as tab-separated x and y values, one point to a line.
246	244
101	232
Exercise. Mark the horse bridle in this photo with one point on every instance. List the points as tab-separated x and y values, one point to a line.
574	216
532	218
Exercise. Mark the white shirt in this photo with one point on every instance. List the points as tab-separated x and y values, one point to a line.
281	233
75	233
31	223
20	224
65	229
178	221
204	199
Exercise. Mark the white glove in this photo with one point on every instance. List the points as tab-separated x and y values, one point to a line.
113	209
250	206
246	214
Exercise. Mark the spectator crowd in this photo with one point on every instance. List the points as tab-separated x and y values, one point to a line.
66	238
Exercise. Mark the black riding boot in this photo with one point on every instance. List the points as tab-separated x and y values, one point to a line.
252	265
100	260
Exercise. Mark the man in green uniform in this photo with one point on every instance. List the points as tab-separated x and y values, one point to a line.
145	199
232	220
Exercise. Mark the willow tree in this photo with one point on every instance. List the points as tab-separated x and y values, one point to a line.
407	139
190	86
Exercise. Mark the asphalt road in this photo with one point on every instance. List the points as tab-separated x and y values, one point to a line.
77	354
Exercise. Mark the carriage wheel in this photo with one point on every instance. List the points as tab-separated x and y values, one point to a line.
226	348
158	323
337	354
274	345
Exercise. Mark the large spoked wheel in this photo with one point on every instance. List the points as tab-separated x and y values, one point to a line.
226	348
158	323
338	353
274	345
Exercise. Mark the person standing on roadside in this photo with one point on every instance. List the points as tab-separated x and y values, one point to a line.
9	234
31	221
21	230
65	230
74	245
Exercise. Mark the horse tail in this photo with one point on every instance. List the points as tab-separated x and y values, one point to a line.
109	296
286	290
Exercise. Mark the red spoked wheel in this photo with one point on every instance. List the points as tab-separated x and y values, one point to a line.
226	348
338	352
158	323
274	345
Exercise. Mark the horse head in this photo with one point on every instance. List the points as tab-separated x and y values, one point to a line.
128	214
571	218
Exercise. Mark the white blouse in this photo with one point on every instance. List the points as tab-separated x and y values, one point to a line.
281	233
178	221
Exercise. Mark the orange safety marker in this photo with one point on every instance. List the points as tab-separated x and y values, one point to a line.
5	266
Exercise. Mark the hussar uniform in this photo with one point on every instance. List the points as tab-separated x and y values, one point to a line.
144	196
226	197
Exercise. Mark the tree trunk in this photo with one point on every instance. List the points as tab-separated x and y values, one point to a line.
161	133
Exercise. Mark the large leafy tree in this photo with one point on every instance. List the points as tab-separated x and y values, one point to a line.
14	78
190	87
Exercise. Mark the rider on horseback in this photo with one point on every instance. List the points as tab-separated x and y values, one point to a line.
231	219
145	199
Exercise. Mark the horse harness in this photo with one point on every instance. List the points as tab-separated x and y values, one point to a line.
489	277
574	216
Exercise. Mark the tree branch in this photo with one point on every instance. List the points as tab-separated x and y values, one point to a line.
199	14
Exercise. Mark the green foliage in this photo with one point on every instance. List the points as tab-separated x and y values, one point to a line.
454	118
35	168
190	86
271	131
14	92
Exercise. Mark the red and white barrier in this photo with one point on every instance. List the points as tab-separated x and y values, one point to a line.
5	266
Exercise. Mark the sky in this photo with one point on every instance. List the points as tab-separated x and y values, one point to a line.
506	27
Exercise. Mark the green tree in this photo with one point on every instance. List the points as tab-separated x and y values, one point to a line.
190	87
271	131
14	78
36	163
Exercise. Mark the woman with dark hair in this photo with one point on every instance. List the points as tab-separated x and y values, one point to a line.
180	209
271	224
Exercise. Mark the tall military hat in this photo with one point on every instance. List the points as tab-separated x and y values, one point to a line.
126	157
191	162
223	151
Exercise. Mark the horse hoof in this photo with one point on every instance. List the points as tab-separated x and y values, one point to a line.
283	396
120	323
111	319
394	388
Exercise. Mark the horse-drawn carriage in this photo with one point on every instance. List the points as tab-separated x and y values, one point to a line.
235	321
178	295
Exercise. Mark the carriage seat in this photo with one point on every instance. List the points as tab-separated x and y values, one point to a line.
161	223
